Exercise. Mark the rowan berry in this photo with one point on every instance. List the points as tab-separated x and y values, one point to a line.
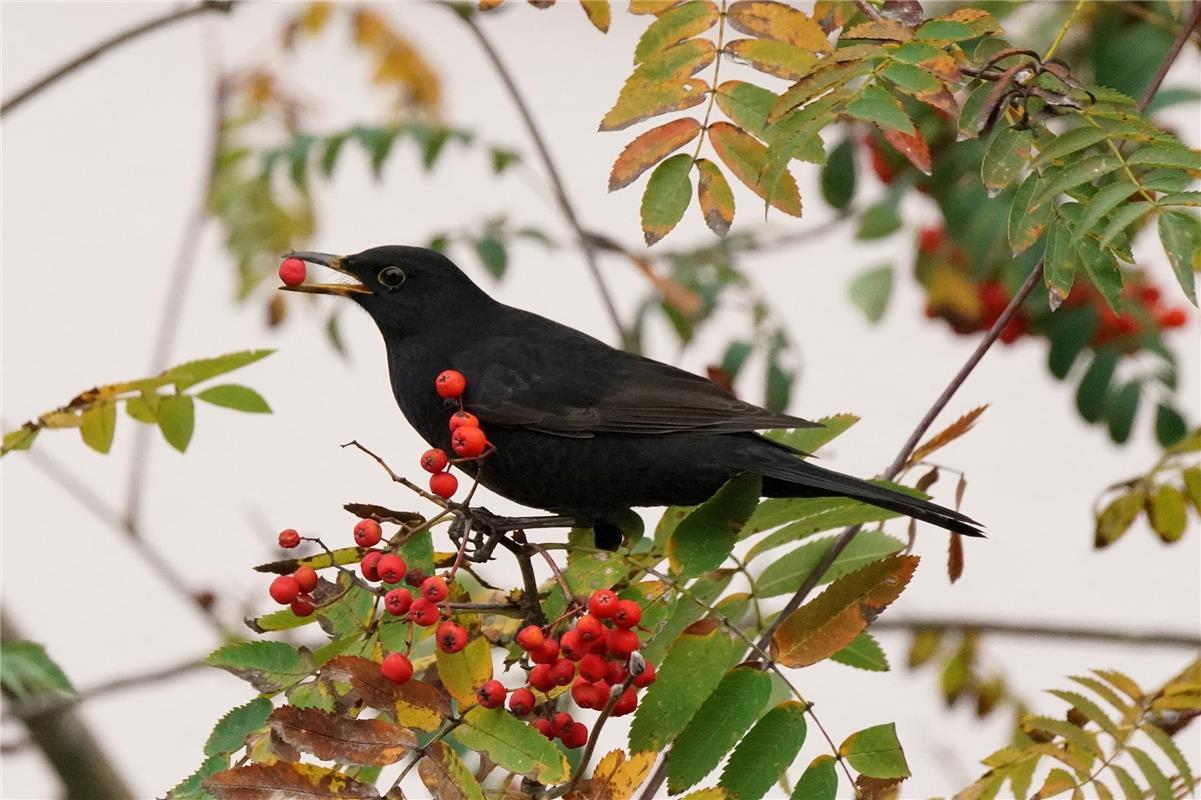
434	589
540	678
284	589
434	460
616	674
562	672
491	694
622	642
521	701
369	566
1173	318
450	384
561	723
626	703
602	603
585	695
468	442
398	601
451	637
530	638
422	612
646	677
463	419
292	271
572	646
576	736
929	239
367	533
306	577
546	653
590	629
444	484
593	667
289	538
397	668
543	726
302	606
628	614
391	568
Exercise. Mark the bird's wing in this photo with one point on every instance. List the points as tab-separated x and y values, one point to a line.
580	387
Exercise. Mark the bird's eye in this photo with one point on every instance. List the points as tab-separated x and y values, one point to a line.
391	277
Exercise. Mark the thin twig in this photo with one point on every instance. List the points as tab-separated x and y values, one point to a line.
1189	26
44	704
868	10
586	244
176	15
1049	631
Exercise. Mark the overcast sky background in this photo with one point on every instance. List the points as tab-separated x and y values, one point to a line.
99	176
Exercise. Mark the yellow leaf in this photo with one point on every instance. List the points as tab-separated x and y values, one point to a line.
775	58
884	29
770	20
661	84
598	13
465	671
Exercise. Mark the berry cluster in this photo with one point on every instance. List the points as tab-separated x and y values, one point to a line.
467	439
1142	311
293	590
596	657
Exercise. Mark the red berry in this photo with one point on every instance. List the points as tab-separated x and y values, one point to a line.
646	677
434	589
463	419
521	701
626	703
450	384
572	646
415	577
585	695
468	442
590	629
303	606
576	736
616	674
880	165
491	694
284	589
561	723
593	667
628	614
396	668
367	533
602	688
562	672
434	460
422	612
306	577
1014	330
546	653
599	647
929	239
622	642
292	271
602	603
530	638
289	538
542	725
444	484
391	568
369	566
451	637
398	601
540	678
1173	318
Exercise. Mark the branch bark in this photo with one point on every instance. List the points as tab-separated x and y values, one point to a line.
1058	632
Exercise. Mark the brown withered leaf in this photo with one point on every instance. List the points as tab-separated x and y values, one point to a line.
446	776
541	3
648	149
954	557
882	30
878	788
599	13
926	481
832	620
674	293
383	514
284	781
719	376
948	434
416	704
771	20
488	5
913	146
330	737
397	61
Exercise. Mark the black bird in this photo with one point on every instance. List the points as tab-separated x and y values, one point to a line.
580	428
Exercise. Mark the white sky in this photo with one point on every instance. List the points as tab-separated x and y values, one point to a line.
100	174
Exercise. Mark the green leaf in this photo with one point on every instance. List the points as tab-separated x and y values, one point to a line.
810	440
870	291
876	752
1171	157
715	197
879	220
838	175
1123	218
662	83
811	515
1120	410
329	155
191	788
876	105
1192	485
687	610
717	726
268	666
1079	172
1098	263
1168	513
239	398
765	753
1070	330
704	539
177	419
735	356
667	195
693	668
1027	222
1164	742
512	744
232	729
193	372
747	158
1158	782
1170	427
492	254
98	424
26	671
785	574
19	439
819	781
863	653
1088	708
141	409
1094	386
945	30
1101	204
1180	235
1007	151
465	671
1068	143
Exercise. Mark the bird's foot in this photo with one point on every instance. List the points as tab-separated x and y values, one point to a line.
487	530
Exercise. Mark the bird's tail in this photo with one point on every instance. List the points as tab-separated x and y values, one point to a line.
788	476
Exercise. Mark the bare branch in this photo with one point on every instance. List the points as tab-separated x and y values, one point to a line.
1049	631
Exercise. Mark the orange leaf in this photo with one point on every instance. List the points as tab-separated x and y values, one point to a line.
281	779
831	621
747	158
775	58
488	5
416	704
661	84
331	737
947	435
674	26
955	558
716	199
599	13
770	20
649	149
911	145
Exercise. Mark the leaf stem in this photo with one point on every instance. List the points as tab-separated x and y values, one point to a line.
1063	30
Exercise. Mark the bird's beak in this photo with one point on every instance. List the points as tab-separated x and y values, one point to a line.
333	262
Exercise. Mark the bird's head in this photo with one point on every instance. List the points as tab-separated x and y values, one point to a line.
399	286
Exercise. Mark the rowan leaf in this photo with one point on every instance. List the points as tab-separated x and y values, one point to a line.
1069	143
1060	262
649	148
817	83
616	777
886	30
772	57
674	26
1168	513
945	30
948	434
1027	222
876	752
1116	518
786	573
810	440
705	538
1180	235
239	398
919	84
446	776
465	671
283	779
765	753
190	788
870	291
1120	409
864	652
193	372
1088	708
231	730
1079	172
177	420
771	20
661	84
1121	219
806	516
512	744
878	106
98	424
832	620
911	145
715	197
333	737
268	666
26	670
819	781
667	195
694	666
1157	782
1192	484
415	704
717	726
1165	157
838	175
747	159
1006	153
1164	742
598	13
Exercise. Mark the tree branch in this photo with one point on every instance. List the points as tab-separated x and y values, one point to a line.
1048	631
112	42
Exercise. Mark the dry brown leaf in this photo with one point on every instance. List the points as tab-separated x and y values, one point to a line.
331	737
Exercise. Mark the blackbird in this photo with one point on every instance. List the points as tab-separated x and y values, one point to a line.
581	429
